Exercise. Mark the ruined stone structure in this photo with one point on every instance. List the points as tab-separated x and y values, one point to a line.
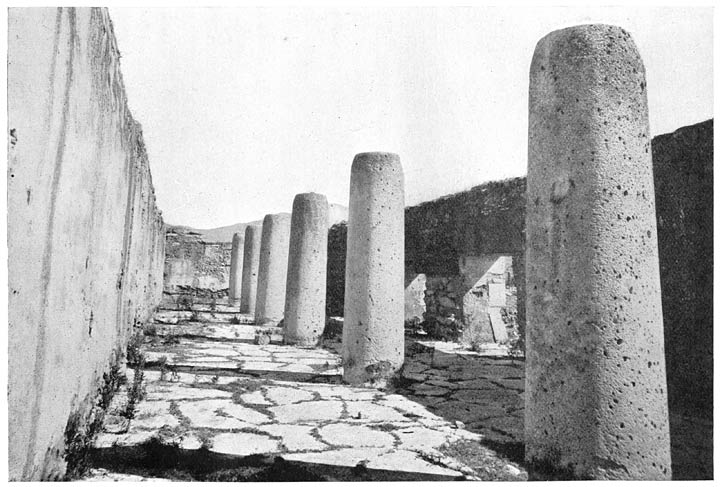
272	269
373	332
596	397
236	265
192	262
85	237
251	262
307	268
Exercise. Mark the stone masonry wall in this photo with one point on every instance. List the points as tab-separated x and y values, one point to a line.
85	237
190	262
490	218
683	167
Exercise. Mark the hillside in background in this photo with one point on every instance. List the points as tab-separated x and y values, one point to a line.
337	213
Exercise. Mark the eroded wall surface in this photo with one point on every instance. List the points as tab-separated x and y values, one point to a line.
191	262
85	237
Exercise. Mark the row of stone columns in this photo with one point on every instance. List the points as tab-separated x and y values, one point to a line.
281	275
596	401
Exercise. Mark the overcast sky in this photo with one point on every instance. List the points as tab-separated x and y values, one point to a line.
244	108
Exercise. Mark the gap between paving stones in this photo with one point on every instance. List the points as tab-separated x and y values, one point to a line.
385	425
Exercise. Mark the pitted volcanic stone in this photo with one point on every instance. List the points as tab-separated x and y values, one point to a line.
272	269
596	402
236	265
251	262
307	270
373	332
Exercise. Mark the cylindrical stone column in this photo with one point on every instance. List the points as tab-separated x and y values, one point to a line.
251	262
236	264
596	401
307	270
272	269
373	331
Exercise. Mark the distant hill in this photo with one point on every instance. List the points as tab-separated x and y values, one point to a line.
337	213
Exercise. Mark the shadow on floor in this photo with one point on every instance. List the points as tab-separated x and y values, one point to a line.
155	459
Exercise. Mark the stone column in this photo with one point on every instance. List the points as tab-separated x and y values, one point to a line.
596	401
236	264
373	332
272	269
307	270
251	261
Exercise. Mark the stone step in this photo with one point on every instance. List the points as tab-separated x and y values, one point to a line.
208	307
171	317
216	331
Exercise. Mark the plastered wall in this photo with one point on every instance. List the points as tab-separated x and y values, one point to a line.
85	238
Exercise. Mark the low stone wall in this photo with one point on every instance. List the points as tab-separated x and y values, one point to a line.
193	263
85	237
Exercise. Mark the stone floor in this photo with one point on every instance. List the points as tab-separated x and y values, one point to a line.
216	406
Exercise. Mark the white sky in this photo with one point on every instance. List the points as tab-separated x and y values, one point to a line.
244	108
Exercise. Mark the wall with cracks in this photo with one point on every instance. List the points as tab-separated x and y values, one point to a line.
85	237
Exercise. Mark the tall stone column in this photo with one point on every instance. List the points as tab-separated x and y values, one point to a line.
251	262
596	400
236	264
373	332
307	270
272	269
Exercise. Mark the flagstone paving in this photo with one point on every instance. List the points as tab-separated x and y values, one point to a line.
218	393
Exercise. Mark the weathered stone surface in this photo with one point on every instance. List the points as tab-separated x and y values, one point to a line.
251	262
243	444
596	397
409	461
355	435
85	238
288	395
373	332
367	411
272	269
220	414
421	438
307	270
308	412
294	437
236	266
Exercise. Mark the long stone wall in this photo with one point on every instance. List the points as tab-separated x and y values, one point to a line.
85	237
683	173
490	219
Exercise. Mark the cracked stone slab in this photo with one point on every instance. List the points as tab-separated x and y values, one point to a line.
255	397
348	457
243	444
409	461
297	368
341	434
308	412
176	392
295	437
203	414
288	395
374	412
417	437
342	392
